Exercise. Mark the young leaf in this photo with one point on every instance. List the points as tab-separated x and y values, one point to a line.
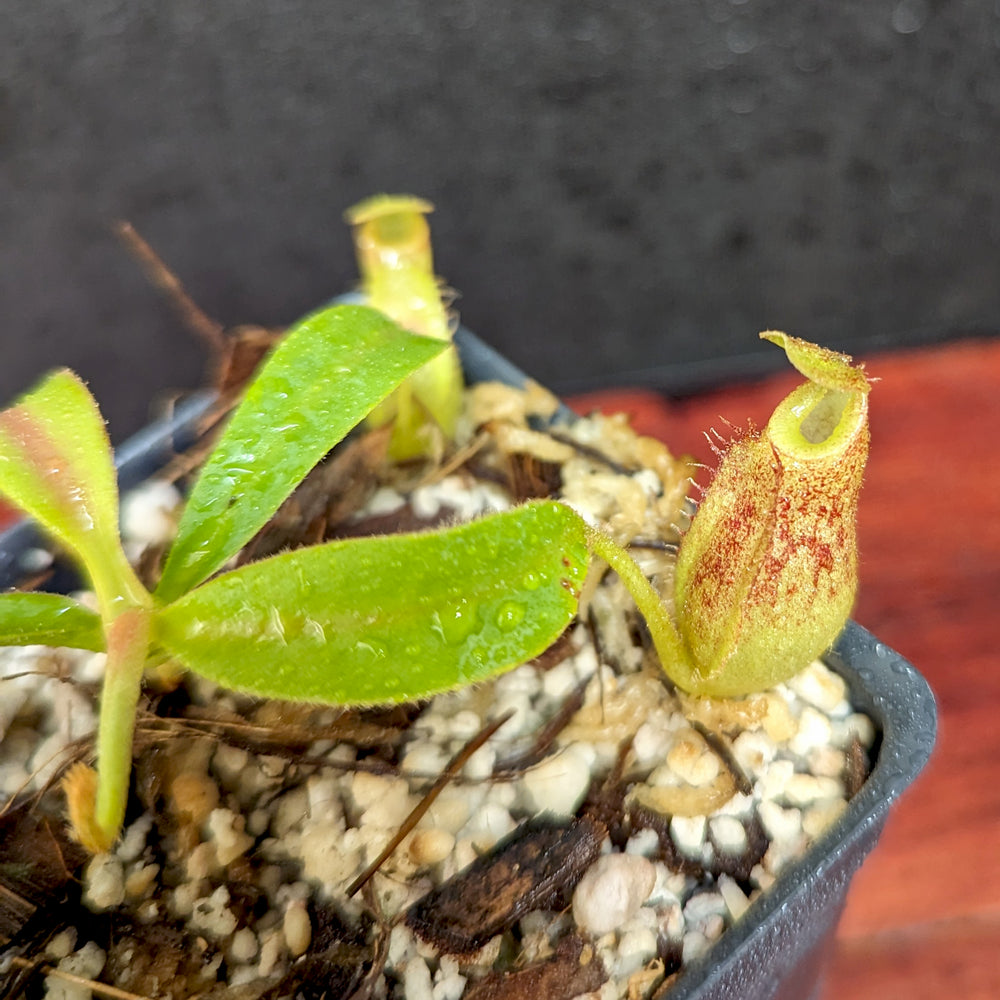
56	464
316	385
386	619
27	619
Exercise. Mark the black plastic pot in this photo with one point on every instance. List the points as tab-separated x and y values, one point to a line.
776	951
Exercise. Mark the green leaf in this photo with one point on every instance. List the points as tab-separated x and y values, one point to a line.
27	619
56	464
386	619
321	380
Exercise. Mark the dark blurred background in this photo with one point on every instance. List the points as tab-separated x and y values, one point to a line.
626	194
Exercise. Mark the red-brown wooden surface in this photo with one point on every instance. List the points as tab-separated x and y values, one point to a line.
923	918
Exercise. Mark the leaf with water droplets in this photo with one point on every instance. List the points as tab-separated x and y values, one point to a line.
27	619
56	464
322	379
387	619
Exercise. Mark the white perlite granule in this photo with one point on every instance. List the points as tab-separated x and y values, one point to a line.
306	831
86	963
611	892
104	881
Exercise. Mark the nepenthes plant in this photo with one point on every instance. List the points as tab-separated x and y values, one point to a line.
765	580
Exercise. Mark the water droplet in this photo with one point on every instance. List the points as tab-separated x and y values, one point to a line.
741	38
510	614
531	581
195	627
275	628
313	631
455	624
371	650
910	16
